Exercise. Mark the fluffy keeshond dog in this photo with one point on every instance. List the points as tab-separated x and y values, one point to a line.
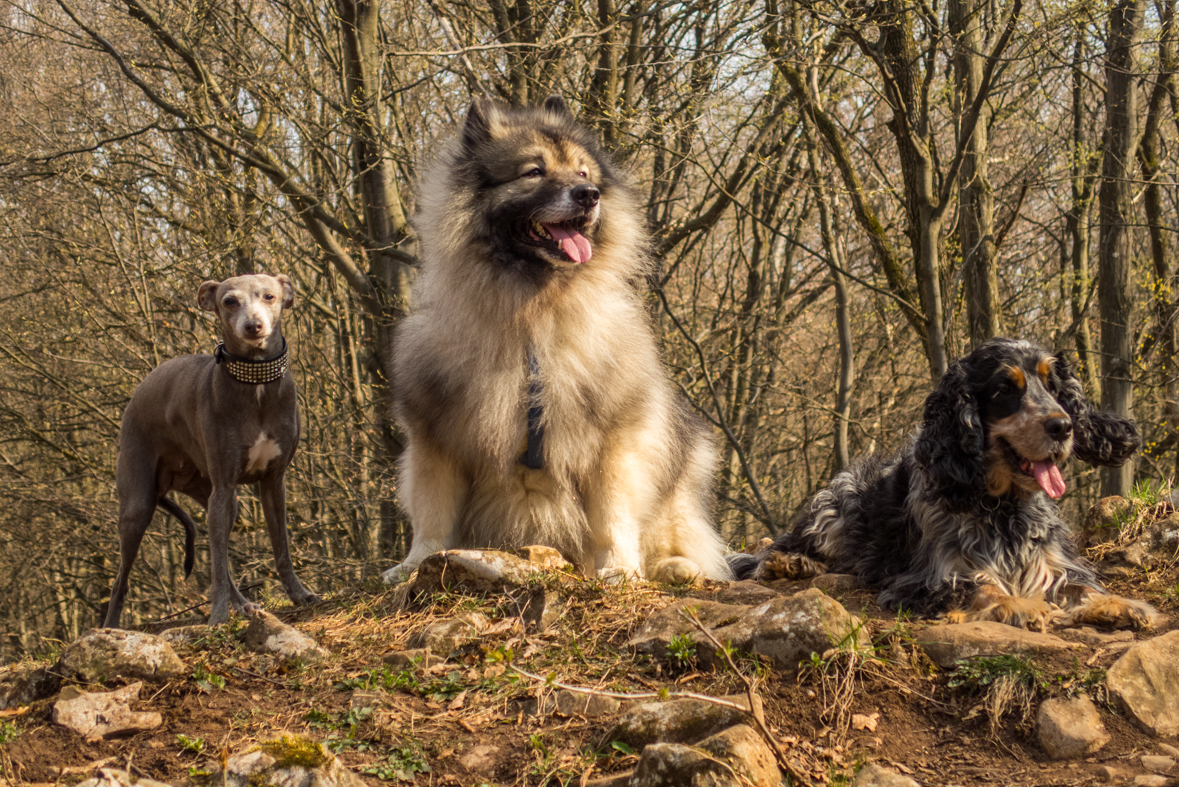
527	377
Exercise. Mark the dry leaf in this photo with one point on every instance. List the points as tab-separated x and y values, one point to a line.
861	722
458	701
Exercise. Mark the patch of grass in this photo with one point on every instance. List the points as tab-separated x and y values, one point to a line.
681	650
399	763
9	732
193	744
1007	684
1080	681
1150	491
207	680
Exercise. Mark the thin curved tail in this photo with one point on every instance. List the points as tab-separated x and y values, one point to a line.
189	531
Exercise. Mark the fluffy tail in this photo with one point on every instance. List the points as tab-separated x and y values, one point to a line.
189	531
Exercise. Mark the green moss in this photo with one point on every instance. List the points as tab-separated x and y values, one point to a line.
292	750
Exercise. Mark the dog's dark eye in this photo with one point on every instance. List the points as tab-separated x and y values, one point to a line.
268	296
535	172
584	174
230	301
1006	388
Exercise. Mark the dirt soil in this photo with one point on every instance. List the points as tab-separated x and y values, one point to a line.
416	726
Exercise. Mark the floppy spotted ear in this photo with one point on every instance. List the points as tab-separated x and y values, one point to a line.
951	443
1099	437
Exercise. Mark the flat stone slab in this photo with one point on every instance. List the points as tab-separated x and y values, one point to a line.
98	715
1144	682
951	642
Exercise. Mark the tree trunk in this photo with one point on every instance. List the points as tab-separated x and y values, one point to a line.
1114	211
977	203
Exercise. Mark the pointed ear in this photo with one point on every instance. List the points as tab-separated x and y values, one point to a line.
207	296
482	117
1099	438
951	443
556	105
288	291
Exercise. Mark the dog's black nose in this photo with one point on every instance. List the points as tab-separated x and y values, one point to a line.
1059	428
586	195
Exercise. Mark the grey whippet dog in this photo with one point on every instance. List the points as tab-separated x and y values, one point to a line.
201	425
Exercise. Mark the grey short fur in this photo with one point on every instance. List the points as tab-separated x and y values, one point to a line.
192	428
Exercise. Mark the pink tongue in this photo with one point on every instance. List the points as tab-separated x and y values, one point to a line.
1048	477
571	242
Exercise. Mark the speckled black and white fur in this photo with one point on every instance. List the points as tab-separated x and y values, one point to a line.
961	520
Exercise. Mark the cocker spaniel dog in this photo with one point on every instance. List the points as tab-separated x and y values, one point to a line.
961	520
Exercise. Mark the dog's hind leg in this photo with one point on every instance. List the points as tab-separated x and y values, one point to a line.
433	493
273	493
136	506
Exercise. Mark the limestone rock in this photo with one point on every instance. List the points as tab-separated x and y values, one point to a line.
836	583
788	629
1157	763
676	721
188	635
1144	682
873	775
1152	780
746	592
480	760
1070	729
102	654
97	715
543	557
443	637
286	761
417	660
1102	522
591	706
746	752
1112	773
475	571
1169	750
671	621
114	777
737	757
268	634
23	685
951	642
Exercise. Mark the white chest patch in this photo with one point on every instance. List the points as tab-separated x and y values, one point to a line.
262	452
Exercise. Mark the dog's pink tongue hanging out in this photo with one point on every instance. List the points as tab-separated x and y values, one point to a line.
1048	476
571	242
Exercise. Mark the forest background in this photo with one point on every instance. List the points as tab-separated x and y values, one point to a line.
844	196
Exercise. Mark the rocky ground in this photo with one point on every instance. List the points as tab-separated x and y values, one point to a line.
494	669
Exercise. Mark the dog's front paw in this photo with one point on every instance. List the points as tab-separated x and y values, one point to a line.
789	565
677	571
1110	611
398	574
616	575
1029	613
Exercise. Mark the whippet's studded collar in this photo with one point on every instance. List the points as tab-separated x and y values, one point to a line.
245	370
